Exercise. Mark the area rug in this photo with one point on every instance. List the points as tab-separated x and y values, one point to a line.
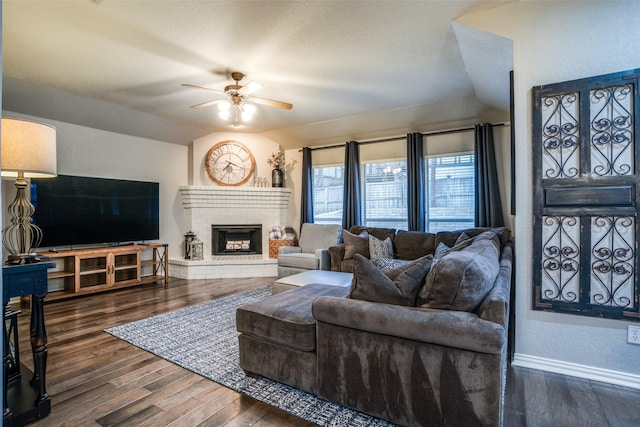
204	340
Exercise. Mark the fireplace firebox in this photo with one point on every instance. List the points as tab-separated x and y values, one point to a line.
236	239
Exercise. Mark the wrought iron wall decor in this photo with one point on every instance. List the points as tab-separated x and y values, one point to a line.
586	175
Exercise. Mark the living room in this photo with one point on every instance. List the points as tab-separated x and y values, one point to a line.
551	42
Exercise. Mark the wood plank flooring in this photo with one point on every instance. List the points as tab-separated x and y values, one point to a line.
95	379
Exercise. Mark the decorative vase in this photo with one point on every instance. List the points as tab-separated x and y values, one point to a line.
277	178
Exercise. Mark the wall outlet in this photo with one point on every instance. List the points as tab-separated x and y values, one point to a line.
633	334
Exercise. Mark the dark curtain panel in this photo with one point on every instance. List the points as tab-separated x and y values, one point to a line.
351	201
306	204
488	209
415	181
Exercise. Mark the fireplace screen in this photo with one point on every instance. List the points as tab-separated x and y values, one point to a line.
236	239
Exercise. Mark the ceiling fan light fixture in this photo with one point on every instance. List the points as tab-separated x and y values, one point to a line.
225	114
224	106
248	110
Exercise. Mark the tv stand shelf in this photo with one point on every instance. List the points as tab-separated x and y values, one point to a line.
91	270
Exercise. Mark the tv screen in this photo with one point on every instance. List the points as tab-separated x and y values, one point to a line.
75	210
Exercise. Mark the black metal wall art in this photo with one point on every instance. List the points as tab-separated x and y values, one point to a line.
586	175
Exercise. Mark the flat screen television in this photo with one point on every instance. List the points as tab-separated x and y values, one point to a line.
77	210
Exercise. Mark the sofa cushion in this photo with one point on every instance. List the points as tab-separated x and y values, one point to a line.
355	244
347	266
285	318
397	286
461	279
380	248
413	244
299	260
449	238
380	233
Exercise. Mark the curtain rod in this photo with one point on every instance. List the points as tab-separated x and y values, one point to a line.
434	133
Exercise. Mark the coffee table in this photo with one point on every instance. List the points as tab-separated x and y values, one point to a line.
322	277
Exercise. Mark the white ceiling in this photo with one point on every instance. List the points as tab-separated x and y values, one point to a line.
350	68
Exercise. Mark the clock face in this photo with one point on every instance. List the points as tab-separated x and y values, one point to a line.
229	163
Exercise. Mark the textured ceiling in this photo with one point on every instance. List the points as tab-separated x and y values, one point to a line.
349	68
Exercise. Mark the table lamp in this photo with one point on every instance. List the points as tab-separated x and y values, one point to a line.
28	151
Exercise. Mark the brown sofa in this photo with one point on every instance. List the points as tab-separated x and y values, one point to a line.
438	359
407	245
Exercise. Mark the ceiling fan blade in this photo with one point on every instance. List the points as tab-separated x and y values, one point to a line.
272	103
202	88
207	104
249	88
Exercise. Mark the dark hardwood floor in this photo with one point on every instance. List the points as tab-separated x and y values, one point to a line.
95	379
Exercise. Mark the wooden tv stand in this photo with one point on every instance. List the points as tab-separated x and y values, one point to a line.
86	271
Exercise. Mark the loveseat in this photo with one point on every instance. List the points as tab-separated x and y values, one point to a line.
434	354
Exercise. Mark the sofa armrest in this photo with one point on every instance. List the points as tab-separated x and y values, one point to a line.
455	329
337	255
289	250
324	260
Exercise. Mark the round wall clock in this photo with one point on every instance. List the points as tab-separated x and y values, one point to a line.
229	163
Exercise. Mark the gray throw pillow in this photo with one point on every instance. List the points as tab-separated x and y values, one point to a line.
380	248
461	279
397	286
389	263
462	242
355	244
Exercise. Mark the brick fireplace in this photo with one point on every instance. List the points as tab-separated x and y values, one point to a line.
230	208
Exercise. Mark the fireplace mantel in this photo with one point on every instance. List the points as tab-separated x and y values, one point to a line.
200	196
207	205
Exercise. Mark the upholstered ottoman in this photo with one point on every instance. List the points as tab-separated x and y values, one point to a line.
278	335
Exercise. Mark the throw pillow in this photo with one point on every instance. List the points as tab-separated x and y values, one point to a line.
389	263
462	242
355	244
398	286
441	251
461	279
380	248
461	238
288	233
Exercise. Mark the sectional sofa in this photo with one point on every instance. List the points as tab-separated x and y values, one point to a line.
421	342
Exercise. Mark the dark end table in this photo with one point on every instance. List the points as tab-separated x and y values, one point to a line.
25	397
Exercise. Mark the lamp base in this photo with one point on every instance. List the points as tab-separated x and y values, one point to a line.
16	259
21	237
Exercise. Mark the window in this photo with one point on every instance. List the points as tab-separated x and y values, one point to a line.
328	188
449	192
384	194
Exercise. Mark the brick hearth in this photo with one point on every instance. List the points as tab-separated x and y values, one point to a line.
207	205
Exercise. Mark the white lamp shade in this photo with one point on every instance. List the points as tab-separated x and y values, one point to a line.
28	147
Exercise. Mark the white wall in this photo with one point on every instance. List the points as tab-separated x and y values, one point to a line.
555	42
91	152
294	181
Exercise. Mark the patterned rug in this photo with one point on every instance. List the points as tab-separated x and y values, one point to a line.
203	339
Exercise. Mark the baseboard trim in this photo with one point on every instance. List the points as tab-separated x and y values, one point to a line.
573	369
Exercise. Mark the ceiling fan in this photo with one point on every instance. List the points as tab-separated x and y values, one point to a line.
237	95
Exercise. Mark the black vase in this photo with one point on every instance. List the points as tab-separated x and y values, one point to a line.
277	178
